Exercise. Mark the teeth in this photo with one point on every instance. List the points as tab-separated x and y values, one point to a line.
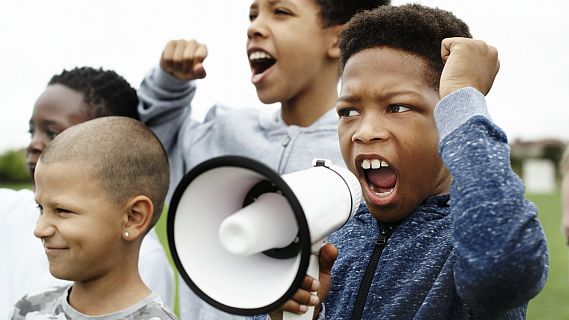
383	194
259	55
374	164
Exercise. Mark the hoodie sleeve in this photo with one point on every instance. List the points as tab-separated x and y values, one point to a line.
502	253
165	104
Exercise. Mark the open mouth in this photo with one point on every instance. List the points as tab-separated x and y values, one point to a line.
380	177
260	61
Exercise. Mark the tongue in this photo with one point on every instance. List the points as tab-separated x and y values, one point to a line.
384	178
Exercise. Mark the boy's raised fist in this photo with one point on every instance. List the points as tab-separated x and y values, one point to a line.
468	63
183	59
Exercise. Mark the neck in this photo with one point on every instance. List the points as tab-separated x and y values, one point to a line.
115	291
314	101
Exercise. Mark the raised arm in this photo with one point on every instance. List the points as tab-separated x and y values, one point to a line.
166	92
502	254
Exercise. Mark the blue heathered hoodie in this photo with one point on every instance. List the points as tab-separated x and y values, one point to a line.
478	253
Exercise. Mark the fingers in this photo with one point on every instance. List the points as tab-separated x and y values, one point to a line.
468	63
303	297
327	256
199	56
301	301
312	291
310	284
184	59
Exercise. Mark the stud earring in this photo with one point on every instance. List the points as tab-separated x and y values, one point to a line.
126	234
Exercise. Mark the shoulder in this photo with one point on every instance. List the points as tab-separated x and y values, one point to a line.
39	303
220	111
154	310
12	199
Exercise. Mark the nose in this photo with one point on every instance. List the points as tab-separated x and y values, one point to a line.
257	28
44	228
370	129
35	148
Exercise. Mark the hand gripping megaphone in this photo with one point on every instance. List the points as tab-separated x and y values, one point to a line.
243	237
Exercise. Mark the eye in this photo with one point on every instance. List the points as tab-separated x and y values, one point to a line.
61	211
51	134
252	16
347	112
40	208
397	108
280	11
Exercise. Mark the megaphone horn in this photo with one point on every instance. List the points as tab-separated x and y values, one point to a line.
242	236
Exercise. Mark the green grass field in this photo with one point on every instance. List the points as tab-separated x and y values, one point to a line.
553	302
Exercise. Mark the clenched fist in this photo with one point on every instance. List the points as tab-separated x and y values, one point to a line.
183	59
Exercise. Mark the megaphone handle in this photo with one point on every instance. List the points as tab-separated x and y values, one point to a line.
313	271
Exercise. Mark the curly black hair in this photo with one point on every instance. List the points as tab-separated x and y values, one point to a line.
411	28
106	92
335	12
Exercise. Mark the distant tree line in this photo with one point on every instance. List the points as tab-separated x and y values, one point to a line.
13	168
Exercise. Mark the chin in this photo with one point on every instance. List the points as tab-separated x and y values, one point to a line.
266	99
385	214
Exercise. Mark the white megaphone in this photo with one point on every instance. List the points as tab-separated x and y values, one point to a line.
243	237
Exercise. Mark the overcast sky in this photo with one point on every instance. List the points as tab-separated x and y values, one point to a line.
529	100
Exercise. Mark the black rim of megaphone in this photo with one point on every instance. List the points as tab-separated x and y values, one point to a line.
303	230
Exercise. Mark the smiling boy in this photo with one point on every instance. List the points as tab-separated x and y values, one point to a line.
445	232
71	97
292	47
100	187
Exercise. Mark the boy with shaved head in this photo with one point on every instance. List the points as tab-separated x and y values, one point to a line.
100	186
73	96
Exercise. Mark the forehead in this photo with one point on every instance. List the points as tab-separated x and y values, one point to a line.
294	3
60	179
379	61
62	172
58	101
384	68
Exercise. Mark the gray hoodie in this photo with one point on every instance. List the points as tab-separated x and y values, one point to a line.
165	106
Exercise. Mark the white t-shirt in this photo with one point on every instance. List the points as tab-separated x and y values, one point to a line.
25	269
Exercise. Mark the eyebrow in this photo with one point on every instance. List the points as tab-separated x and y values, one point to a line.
377	95
43	123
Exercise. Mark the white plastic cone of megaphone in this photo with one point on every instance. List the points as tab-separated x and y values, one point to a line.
242	236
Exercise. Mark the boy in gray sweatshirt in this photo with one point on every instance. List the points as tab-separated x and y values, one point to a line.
292	48
445	232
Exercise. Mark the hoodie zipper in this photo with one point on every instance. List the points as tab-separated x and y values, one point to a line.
363	291
285	141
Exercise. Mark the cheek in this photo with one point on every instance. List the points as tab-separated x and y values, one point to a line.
345	139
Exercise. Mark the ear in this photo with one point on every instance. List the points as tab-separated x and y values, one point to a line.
333	49
137	218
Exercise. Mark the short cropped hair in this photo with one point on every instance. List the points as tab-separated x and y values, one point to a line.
410	28
335	12
106	92
120	153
